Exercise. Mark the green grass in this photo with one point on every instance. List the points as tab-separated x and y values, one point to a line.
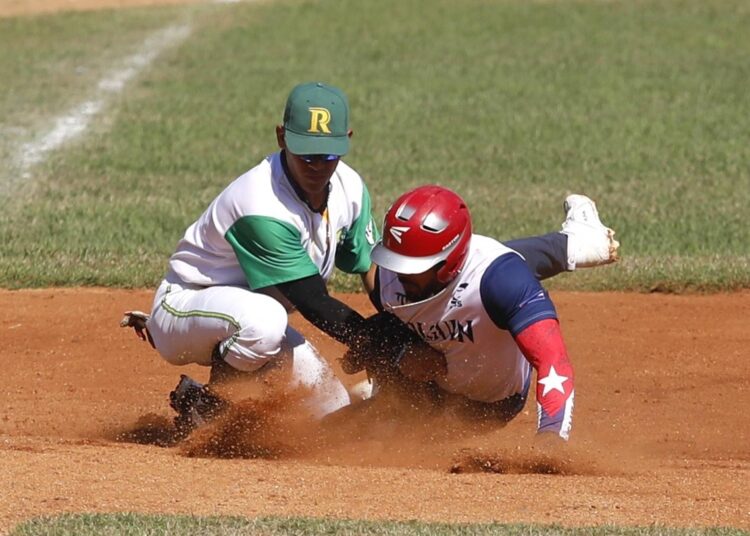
123	524
642	105
51	62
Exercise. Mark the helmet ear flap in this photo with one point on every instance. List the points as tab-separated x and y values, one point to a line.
456	259
443	274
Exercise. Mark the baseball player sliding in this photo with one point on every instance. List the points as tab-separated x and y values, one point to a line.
268	243
479	307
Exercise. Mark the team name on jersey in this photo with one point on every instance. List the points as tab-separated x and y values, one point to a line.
445	330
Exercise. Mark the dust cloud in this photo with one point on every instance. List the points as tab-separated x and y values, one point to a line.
386	431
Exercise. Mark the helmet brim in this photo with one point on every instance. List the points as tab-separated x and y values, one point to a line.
401	264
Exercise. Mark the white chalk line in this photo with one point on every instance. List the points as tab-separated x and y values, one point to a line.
74	122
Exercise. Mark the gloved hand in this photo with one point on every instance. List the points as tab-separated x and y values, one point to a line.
379	346
390	349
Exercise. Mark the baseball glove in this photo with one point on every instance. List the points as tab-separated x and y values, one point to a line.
388	343
376	349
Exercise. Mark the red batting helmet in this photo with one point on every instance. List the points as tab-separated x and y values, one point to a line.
424	227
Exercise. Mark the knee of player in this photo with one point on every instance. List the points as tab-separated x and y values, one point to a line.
263	327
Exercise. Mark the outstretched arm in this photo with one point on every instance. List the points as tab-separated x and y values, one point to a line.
543	346
310	297
377	336
515	301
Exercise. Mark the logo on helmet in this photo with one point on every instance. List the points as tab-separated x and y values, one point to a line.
452	241
396	232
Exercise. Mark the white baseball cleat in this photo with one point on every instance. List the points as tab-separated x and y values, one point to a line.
590	242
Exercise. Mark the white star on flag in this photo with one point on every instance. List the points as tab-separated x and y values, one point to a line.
553	381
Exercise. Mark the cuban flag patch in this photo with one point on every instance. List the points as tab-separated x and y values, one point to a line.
554	395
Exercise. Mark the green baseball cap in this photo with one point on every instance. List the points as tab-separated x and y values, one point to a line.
316	120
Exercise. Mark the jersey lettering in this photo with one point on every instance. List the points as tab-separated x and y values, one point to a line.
319	119
445	330
457	323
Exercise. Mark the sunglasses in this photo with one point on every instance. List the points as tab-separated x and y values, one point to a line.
310	158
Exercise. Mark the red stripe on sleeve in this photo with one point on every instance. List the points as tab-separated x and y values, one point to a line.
543	346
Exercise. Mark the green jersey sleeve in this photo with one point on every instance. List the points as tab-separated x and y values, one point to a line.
356	243
269	251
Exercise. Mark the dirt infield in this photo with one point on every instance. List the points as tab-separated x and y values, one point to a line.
661	431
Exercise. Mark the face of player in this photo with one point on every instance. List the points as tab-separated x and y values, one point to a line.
418	287
311	173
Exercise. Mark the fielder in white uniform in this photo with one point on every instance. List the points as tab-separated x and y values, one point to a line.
267	244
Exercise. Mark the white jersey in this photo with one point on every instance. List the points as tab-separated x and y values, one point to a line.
484	362
258	232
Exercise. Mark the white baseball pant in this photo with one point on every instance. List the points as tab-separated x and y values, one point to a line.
251	329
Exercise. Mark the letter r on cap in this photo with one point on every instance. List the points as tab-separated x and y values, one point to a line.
319	119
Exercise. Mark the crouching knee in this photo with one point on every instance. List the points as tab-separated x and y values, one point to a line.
258	339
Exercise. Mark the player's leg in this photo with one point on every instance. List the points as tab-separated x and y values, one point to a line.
584	241
191	324
546	255
241	335
298	366
312	373
231	329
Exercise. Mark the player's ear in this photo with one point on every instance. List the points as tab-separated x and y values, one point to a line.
280	137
